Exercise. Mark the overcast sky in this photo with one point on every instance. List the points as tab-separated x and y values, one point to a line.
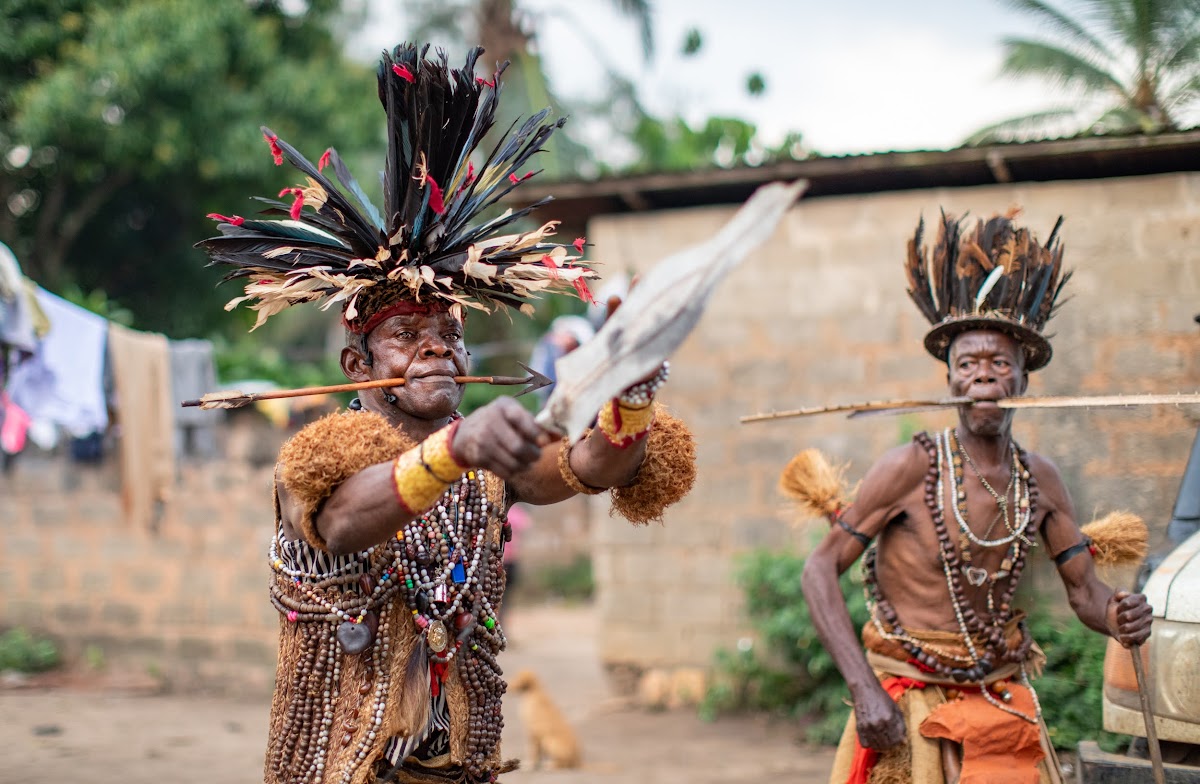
850	75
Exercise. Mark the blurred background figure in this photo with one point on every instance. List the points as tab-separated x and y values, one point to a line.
518	521
566	333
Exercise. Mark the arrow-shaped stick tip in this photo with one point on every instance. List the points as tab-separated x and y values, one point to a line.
535	381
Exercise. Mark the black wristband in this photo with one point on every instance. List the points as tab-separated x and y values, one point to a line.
859	535
1072	551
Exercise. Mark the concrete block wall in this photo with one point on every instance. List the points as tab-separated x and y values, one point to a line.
182	603
819	315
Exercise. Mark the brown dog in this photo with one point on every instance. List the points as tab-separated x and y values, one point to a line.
550	736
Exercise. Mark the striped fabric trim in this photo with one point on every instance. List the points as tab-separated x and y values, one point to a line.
399	748
298	555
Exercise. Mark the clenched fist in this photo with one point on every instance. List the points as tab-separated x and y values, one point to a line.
878	720
502	437
1129	616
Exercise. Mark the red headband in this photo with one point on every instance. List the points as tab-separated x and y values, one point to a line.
404	307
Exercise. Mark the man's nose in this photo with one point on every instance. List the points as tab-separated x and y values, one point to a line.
985	373
435	346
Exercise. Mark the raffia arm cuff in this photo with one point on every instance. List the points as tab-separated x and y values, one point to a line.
315	461
666	475
422	474
568	474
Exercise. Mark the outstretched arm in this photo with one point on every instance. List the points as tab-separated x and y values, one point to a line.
371	503
1122	615
879	722
596	462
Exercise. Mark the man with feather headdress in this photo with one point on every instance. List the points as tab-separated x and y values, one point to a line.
387	556
944	525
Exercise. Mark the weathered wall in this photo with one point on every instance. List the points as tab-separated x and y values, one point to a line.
817	315
820	315
182	604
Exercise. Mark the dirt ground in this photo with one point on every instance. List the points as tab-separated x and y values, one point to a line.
115	737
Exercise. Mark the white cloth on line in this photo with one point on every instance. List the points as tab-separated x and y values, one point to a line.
63	382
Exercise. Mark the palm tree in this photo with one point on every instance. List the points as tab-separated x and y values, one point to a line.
508	31
1138	59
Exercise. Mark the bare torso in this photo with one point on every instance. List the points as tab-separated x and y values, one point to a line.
909	568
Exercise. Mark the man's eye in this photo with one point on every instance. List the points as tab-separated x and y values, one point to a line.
405	336
453	337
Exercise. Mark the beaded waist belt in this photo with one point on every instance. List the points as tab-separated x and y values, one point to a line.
947	647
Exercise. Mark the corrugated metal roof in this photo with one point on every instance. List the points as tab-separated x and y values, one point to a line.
1080	157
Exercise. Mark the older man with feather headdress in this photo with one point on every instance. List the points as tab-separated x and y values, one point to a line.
944	525
390	522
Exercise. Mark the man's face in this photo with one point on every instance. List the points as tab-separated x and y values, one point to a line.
986	365
427	351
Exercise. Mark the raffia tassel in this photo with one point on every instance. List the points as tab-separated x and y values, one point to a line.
1118	539
816	486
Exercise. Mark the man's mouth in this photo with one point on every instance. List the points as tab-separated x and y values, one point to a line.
433	376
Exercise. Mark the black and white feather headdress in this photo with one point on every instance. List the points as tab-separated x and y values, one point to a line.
430	247
994	277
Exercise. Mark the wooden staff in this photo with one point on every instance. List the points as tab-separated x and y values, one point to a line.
236	399
912	406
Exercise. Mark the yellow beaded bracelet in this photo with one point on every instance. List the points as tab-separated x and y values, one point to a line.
419	475
623	425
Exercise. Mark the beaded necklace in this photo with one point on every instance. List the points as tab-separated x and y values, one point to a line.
980	659
451	578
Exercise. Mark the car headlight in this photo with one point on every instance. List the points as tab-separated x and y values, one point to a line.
1170	656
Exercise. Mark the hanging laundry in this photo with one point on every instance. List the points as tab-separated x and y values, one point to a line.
141	369
20	317
63	382
14	426
193	374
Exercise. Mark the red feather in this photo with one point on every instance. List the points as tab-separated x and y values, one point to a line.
276	153
404	73
585	293
435	197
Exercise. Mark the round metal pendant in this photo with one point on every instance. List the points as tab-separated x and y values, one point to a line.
438	637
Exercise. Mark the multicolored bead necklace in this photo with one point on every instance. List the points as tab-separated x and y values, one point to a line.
451	579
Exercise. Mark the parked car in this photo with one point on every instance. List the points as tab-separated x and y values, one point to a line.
1171	582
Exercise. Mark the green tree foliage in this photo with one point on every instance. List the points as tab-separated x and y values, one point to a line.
1138	59
126	121
788	671
674	145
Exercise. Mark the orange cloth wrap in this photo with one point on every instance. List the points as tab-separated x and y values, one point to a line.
998	747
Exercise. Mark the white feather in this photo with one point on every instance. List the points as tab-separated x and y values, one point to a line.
988	285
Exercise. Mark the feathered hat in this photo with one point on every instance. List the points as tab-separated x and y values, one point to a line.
430	248
994	277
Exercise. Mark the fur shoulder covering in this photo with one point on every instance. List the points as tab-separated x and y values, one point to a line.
667	474
327	452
